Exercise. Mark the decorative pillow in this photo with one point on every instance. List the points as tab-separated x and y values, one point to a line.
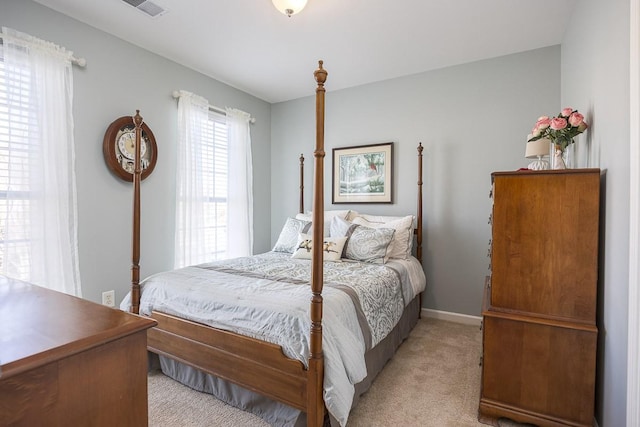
340	227
369	244
351	215
381	219
402	242
331	247
288	239
328	215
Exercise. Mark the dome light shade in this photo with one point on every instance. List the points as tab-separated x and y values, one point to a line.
289	7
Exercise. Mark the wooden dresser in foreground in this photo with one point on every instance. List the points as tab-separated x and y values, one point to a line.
539	308
65	361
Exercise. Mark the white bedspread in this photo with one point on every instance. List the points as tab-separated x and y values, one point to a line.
267	297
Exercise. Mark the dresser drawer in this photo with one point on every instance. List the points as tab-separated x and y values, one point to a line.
545	371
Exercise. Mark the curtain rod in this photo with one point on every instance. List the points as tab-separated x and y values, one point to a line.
176	95
80	62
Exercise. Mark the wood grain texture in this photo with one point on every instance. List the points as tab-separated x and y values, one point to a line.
315	401
251	363
67	361
545	247
539	306
540	369
40	326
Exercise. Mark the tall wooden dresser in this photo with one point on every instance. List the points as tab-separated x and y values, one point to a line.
539	308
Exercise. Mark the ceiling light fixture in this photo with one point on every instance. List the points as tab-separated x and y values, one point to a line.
289	7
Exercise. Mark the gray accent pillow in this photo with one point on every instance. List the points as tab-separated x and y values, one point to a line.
288	239
369	244
402	242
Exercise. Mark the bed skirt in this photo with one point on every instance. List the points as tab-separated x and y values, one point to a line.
279	414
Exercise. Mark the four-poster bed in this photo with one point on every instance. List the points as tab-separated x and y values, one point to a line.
263	364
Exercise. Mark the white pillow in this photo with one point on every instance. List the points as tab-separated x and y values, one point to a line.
289	235
328	215
340	227
383	219
331	247
351	215
400	246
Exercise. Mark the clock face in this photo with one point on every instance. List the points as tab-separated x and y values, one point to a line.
127	144
119	147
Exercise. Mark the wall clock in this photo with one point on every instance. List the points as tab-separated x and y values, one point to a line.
119	145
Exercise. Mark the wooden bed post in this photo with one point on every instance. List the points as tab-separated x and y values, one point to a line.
418	229
135	257
237	358
419	225
315	405
301	183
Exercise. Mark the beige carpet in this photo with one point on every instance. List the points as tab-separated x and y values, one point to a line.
433	380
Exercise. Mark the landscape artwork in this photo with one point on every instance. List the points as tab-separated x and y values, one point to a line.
363	174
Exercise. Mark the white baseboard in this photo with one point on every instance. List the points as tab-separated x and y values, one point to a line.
452	317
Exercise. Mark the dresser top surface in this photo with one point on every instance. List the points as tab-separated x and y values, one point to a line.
39	326
525	172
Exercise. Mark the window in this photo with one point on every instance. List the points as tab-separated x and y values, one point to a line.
214	155
16	125
202	186
38	226
214	183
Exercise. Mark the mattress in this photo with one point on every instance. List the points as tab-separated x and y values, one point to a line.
267	297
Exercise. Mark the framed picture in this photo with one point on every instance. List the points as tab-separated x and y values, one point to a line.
363	174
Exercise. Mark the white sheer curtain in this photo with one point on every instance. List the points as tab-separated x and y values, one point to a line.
193	125
241	184
214	194
39	215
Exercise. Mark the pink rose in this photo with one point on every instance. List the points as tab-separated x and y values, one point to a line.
575	119
566	112
543	122
558	123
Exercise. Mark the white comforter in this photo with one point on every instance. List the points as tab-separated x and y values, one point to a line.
267	297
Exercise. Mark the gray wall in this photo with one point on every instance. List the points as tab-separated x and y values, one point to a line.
120	78
472	119
595	78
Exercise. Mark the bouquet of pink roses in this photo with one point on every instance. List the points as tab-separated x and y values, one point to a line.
561	129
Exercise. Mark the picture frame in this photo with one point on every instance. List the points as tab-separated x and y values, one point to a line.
363	174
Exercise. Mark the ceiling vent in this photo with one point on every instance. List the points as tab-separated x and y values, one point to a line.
148	7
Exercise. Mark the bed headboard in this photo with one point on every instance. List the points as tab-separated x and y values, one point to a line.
417	231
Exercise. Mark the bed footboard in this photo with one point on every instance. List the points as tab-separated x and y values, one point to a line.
256	365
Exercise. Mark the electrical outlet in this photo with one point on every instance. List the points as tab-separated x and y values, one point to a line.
109	298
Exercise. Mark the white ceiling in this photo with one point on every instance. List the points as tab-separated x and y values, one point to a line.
249	45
